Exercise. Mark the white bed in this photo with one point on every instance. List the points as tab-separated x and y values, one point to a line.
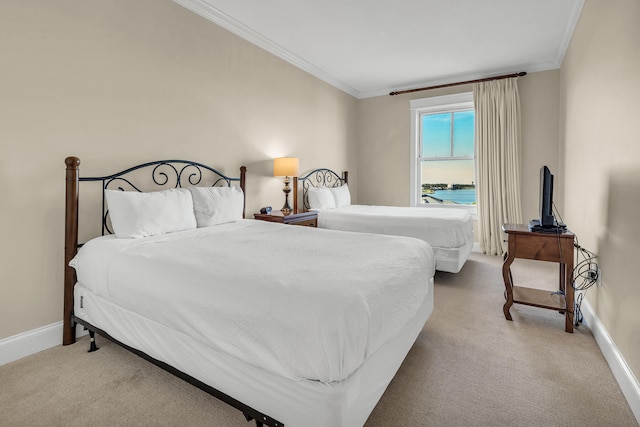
306	326
449	231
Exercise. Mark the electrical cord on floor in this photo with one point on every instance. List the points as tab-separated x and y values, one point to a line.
585	275
586	271
577	312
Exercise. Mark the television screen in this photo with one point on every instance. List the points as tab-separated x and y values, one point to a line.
546	198
547	222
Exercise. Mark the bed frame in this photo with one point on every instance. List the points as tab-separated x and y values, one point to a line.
164	174
316	178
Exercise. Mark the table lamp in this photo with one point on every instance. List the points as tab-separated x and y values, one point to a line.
286	166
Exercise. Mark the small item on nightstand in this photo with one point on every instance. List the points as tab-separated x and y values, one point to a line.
266	210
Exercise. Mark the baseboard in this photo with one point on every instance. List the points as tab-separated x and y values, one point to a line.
31	342
625	377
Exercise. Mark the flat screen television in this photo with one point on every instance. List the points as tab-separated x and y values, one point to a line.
547	221
546	198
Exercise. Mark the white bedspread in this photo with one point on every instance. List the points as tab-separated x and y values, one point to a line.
440	227
303	303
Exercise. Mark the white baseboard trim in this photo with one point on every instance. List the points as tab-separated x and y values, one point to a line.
625	377
31	342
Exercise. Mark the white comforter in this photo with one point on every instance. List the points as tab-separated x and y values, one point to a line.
440	227
303	303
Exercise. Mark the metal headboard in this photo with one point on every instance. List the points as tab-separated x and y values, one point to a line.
322	177
164	174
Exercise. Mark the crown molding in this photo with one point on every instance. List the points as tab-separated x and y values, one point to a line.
568	31
205	10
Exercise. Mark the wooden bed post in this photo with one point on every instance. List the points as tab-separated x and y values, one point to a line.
295	195
243	172
70	247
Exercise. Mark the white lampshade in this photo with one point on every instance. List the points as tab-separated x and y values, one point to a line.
286	166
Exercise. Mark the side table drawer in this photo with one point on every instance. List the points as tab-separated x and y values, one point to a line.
307	222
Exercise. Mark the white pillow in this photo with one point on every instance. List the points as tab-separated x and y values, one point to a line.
341	195
320	198
217	205
134	214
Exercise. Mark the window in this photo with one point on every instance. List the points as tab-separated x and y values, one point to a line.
442	155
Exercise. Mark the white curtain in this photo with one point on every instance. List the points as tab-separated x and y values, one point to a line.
497	142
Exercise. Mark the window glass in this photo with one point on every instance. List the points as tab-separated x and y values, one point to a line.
442	152
436	135
448	181
447	166
463	133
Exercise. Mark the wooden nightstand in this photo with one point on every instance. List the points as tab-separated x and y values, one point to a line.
549	247
309	219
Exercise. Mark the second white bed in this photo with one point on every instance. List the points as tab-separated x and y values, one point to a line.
448	231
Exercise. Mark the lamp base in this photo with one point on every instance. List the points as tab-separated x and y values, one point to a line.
286	209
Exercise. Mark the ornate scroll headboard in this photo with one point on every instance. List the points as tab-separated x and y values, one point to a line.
163	174
317	178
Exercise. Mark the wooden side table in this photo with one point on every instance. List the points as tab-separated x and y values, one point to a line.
309	219
550	247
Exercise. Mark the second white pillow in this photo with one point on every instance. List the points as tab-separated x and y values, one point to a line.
341	195
217	205
320	198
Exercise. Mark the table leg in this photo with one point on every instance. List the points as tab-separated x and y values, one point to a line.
562	282
508	284
569	297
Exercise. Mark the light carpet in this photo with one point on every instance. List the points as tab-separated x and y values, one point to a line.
468	367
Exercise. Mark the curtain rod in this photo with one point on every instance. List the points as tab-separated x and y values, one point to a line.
487	79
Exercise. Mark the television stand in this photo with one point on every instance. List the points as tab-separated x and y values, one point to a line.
551	247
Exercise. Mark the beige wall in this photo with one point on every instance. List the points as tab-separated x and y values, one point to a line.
539	104
599	110
122	82
384	141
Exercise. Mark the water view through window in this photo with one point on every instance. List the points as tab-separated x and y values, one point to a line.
447	158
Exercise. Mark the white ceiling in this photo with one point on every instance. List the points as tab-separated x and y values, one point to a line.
372	47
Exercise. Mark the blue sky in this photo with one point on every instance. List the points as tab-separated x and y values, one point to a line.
436	134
